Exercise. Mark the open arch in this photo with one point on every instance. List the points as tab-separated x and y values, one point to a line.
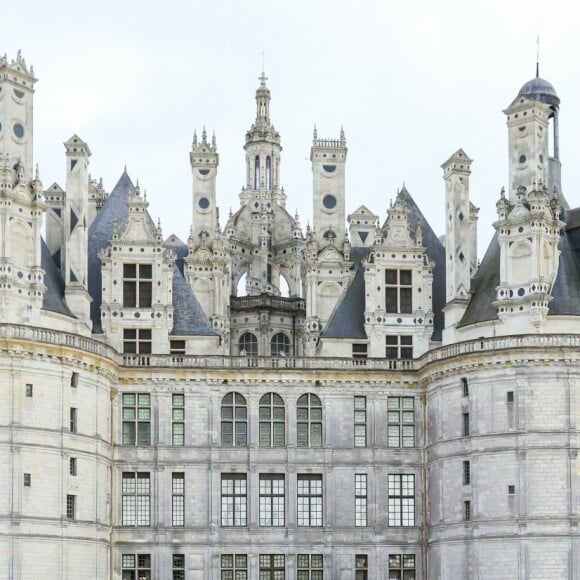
241	289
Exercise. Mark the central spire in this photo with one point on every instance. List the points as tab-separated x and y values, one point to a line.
263	101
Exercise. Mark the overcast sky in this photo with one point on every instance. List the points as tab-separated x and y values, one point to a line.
411	82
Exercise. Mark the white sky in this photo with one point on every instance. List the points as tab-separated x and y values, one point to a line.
411	82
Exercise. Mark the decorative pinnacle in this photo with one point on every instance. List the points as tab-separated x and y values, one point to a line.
204	135
538	57
263	78
342	137
37	173
502	192
195	136
213	141
315	134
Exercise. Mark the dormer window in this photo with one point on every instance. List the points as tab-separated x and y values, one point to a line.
399	291
137	285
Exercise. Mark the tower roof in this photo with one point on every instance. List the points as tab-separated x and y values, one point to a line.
539	89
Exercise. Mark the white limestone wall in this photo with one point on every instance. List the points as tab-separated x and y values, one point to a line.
37	540
523	466
203	460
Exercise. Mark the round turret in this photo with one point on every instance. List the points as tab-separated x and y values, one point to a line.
539	89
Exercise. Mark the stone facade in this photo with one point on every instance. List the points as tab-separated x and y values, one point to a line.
263	402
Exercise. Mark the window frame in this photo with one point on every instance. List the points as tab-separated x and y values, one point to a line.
402	503
399	346
272	565
234	424
73	420
136	499
237	516
136	430
178	419
401	422
177	499
360	421
309	500
402	567
236	569
309	567
272	421
398	293
309	421
137	340
361	500
248	346
361	566
137	289
140	568
280	345
272	500
71	507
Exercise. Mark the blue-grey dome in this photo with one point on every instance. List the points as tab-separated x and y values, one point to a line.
539	89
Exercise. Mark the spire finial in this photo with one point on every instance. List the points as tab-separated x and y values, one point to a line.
263	78
538	57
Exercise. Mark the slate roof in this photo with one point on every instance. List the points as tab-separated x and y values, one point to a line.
483	287
53	299
348	318
188	316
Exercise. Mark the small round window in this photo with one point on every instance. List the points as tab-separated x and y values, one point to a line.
204	203
522	158
18	130
18	94
329	201
203	171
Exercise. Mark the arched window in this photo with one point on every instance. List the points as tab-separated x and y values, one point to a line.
272	421
257	172
268	173
234	421
248	344
309	421
280	345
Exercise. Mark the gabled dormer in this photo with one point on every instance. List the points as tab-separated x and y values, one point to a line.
399	287
362	227
137	281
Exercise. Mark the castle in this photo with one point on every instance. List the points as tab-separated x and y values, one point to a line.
263	401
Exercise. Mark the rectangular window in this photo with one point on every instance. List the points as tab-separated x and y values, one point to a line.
402	567
399	291
310	500
360	421
71	501
465	387
136	419
177	347
399	347
511	489
137	341
29	390
178	567
401	421
234	567
136	499
360	500
72	466
467	510
510	396
272	567
27	480
234	495
466	473
465	424
73	420
272	500
310	567
178	419
74	380
359	351
137	285
361	564
401	500
136	567
178	499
